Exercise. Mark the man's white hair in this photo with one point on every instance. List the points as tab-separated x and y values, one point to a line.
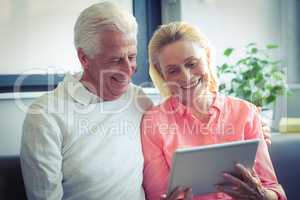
94	19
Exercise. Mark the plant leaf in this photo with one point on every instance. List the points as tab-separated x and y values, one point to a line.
254	50
272	46
228	51
251	44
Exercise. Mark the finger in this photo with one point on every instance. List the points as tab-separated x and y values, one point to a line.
246	174
231	186
253	181
258	108
266	130
163	197
236	182
253	172
264	121
176	193
265	125
267	139
189	194
256	180
233	193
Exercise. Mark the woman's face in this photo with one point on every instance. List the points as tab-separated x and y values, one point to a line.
184	67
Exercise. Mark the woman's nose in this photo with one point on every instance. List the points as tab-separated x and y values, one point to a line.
185	74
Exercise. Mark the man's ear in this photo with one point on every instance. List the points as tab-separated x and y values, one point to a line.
83	58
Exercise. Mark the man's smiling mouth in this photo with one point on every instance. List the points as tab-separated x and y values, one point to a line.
120	81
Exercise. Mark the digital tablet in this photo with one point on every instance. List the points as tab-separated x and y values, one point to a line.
201	167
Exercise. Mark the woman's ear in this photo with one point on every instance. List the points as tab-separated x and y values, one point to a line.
83	58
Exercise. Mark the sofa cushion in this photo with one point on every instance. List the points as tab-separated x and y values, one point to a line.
285	155
11	180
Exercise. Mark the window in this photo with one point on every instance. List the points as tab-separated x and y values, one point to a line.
148	15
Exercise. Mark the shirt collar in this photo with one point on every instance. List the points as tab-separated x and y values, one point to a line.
218	102
78	91
175	105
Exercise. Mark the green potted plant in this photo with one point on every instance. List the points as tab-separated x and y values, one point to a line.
255	76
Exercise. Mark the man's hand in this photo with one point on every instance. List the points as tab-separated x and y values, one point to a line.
179	193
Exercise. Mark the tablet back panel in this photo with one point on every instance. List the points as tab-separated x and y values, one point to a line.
201	167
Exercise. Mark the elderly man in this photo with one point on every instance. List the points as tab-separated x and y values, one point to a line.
82	140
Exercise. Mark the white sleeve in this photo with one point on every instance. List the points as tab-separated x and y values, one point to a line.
41	157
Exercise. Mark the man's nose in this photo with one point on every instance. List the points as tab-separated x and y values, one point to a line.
126	67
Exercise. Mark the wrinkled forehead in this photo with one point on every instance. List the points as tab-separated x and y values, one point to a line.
111	33
113	40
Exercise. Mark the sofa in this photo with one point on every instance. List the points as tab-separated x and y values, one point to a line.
285	155
284	151
11	181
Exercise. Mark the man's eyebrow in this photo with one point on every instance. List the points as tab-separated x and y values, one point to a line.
114	57
171	65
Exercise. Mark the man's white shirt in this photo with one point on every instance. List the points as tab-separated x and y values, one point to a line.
77	147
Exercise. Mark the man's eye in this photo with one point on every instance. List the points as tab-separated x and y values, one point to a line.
172	71
117	61
132	58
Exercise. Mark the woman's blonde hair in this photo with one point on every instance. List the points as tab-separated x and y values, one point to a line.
168	34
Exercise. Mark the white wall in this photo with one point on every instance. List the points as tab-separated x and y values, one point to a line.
291	38
36	35
12	117
230	23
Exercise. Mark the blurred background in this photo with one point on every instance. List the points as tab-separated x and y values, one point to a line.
36	41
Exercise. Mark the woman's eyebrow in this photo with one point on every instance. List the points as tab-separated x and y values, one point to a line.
190	58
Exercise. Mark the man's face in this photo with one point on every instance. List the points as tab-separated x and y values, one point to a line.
110	71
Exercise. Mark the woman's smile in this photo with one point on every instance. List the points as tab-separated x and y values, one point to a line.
191	85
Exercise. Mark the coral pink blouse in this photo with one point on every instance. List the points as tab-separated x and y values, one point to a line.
172	125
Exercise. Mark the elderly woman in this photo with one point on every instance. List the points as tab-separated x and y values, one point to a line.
195	114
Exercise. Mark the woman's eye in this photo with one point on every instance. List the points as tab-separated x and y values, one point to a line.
191	65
